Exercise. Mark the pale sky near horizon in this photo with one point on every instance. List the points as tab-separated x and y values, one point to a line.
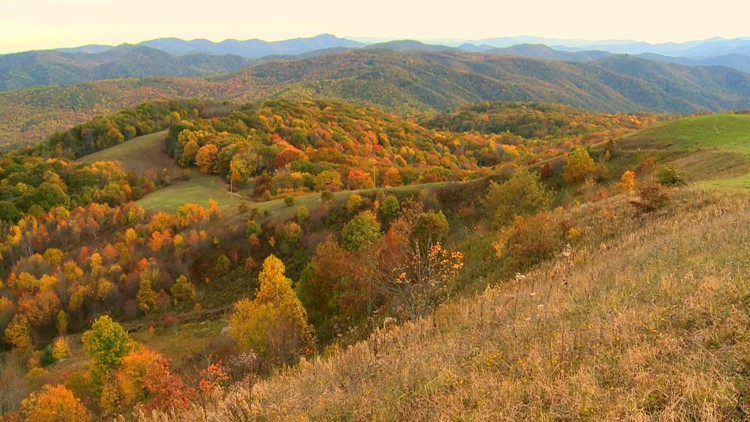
45	24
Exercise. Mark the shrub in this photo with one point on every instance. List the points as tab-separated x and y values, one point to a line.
289	200
669	175
528	241
303	213
652	197
390	205
354	202
253	228
522	194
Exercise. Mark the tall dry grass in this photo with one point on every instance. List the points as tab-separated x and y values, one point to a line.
648	318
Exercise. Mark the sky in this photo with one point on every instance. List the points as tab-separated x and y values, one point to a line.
45	24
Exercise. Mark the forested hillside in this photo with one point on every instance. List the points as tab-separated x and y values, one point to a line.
398	82
338	209
38	68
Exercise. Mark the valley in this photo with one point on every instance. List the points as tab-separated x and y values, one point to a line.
373	231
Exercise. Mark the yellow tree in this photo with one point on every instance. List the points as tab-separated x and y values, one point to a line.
579	165
627	182
206	158
18	334
182	290
54	403
274	324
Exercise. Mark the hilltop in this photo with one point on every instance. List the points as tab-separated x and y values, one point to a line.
35	68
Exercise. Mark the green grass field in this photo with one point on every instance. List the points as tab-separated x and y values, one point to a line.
198	190
713	150
725	132
138	154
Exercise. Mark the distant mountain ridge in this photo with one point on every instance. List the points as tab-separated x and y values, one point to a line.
34	68
403	83
254	48
176	57
541	51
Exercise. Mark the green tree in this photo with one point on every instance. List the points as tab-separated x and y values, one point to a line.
274	324
522	194
182	290
429	228
579	165
302	213
361	231
390	205
223	265
328	180
106	344
8	212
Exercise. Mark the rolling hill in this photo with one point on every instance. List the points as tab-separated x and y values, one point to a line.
35	68
399	82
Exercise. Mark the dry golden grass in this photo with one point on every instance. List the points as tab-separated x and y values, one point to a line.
647	319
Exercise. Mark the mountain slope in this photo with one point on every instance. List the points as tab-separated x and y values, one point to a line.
541	51
36	68
735	61
638	323
400	82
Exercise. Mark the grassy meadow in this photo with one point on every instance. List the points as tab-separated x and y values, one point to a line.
138	154
713	150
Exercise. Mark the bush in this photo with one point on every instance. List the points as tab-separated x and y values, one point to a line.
390	206
253	228
522	194
303	213
528	241
652	198
669	175
354	202
289	200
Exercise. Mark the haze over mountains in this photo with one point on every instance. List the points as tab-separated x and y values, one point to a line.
176	57
401	82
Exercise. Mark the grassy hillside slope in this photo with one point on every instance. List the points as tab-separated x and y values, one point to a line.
138	154
714	149
638	323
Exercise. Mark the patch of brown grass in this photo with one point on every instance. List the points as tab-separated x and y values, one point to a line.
648	318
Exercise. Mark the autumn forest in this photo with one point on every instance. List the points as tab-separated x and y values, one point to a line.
213	246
